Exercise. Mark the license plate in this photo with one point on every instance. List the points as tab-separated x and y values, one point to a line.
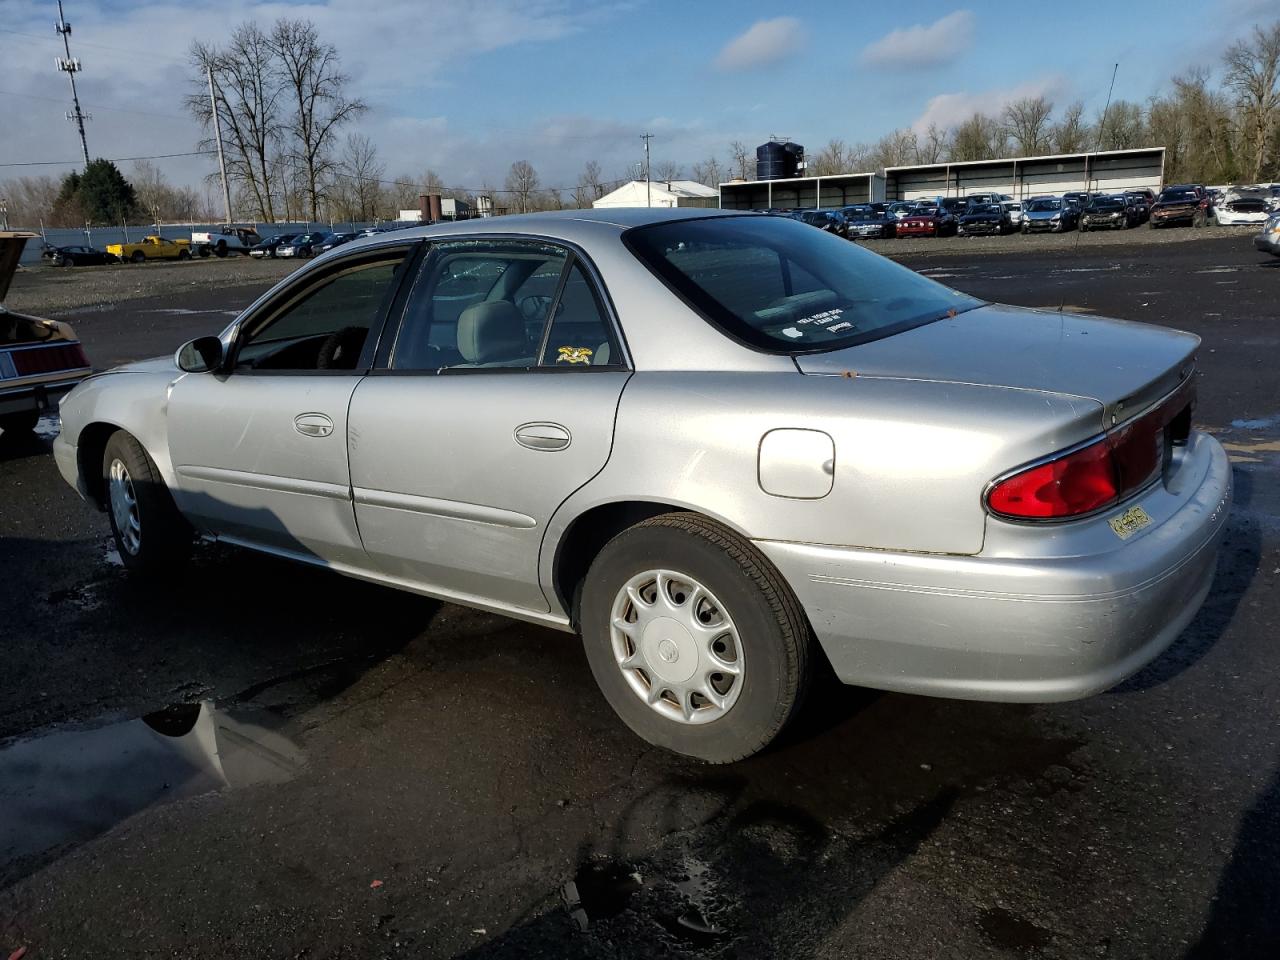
1129	522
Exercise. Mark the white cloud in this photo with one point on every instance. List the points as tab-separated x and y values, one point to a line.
948	110
763	43
939	42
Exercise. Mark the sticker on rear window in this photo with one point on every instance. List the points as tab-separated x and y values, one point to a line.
574	355
1129	522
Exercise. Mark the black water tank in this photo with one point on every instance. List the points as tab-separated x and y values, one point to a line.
778	161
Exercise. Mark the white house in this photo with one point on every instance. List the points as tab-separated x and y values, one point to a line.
661	193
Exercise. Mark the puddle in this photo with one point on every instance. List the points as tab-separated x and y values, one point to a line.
1265	423
68	786
1011	932
48	428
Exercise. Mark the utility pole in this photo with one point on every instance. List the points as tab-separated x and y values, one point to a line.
217	136
71	66
648	189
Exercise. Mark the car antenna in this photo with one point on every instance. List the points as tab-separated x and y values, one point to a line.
1097	148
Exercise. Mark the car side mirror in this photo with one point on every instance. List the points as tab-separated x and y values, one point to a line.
201	355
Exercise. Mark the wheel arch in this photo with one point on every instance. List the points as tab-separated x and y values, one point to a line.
91	445
585	536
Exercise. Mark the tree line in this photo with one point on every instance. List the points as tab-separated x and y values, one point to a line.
280	96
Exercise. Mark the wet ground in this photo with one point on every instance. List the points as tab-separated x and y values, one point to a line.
264	760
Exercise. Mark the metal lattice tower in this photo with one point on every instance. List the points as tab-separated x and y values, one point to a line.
71	66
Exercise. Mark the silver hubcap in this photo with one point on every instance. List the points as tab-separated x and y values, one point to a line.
676	646
124	506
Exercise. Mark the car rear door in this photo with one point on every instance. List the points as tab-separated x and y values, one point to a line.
495	402
260	449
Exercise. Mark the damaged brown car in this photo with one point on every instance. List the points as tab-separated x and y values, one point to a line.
40	360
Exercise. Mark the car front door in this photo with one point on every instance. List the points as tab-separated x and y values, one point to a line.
494	403
259	449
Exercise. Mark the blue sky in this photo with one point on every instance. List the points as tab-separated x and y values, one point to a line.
466	88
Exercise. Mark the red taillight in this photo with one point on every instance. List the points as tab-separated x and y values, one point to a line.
1080	482
53	358
1102	473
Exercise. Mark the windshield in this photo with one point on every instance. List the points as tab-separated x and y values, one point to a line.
1107	203
1178	196
860	213
987	208
1039	206
776	285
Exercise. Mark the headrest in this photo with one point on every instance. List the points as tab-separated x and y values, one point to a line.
491	331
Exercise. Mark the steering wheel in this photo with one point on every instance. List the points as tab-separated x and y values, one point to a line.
534	307
341	349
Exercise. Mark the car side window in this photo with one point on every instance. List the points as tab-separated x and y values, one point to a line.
479	304
323	326
579	335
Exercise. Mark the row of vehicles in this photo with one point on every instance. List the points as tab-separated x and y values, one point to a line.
217	242
997	213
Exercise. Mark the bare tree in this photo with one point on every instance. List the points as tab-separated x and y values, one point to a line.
932	147
1071	133
709	172
743	162
358	175
667	170
1122	126
978	138
894	149
522	182
311	73
590	178
247	93
31	199
831	159
1027	122
1253	72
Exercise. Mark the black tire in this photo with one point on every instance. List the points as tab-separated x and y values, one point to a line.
164	537
221	249
138	256
23	422
204	252
184	254
774	634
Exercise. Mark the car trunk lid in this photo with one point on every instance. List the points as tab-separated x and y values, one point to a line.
1124	366
12	243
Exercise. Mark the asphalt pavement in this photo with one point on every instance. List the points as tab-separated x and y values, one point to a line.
266	760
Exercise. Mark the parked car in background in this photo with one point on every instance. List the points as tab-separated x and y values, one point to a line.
151	247
1141	201
1108	212
1014	208
1186	203
869	220
900	208
40	360
984	218
1002	504
982	199
335	240
79	256
302	245
223	240
928	219
267	248
1078	198
1268	241
832	221
1049	214
1242	205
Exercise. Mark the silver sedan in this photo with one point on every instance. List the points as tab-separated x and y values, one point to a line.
721	447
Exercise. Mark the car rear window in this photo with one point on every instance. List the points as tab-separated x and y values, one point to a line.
779	286
1178	196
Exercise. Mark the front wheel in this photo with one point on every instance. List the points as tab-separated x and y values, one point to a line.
138	256
694	638
221	249
151	535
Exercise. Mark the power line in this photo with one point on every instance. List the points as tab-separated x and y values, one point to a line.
95	106
64	163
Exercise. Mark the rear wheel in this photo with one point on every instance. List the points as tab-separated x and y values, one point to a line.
694	638
184	254
150	534
23	422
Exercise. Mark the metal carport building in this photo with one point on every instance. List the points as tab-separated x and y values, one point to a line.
804	193
1109	171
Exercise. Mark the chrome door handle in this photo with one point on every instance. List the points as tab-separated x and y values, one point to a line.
313	424
543	436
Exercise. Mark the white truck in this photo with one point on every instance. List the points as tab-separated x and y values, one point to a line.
223	240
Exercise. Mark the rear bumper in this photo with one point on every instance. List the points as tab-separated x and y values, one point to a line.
40	396
1012	627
